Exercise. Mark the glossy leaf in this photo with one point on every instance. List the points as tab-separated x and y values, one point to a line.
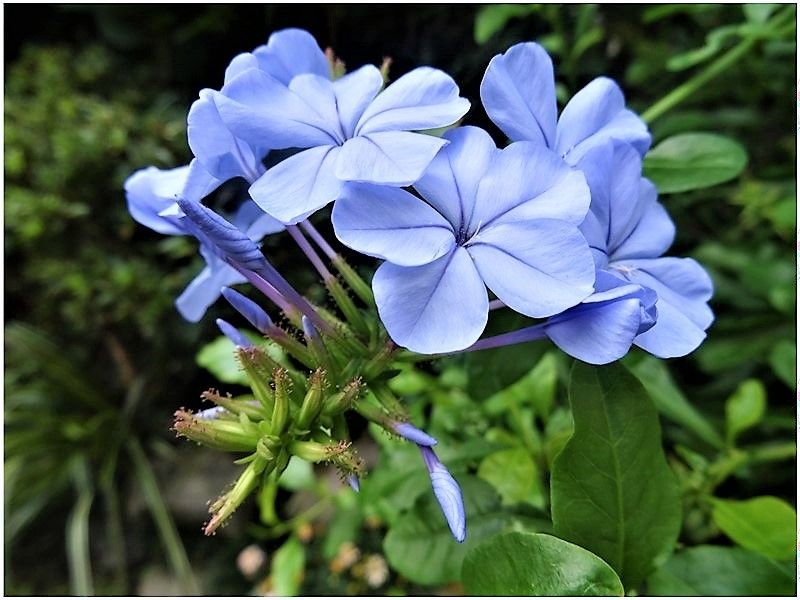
611	489
692	161
766	525
721	571
745	408
535	564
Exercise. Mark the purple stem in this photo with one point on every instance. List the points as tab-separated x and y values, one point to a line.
310	253
527	334
495	304
318	239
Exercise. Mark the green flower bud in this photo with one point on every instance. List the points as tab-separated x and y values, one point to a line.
312	403
219	434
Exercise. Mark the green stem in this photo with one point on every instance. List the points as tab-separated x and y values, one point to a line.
77	533
687	89
176	553
713	70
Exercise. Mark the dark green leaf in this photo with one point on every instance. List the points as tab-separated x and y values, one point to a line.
535	564
420	546
745	408
721	571
611	489
766	525
692	161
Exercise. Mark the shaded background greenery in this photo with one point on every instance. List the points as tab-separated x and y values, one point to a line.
97	358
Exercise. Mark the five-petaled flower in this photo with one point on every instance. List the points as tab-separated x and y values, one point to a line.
507	219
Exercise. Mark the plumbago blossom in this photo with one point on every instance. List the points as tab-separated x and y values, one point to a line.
559	226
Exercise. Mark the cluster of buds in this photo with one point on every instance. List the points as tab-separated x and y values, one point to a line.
328	366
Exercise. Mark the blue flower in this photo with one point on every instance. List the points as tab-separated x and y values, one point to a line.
447	492
518	93
347	130
233	334
503	219
629	231
152	193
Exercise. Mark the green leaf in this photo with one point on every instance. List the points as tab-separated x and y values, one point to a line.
288	566
420	546
299	475
783	360
745	408
537	388
721	571
766	525
611	489
692	161
535	564
759	13
219	358
491	19
670	400
514	475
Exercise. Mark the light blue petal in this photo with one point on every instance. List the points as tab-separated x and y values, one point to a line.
425	98
149	191
199	183
684	289
654	232
290	52
255	222
539	268
595	115
450	183
233	334
318	93
518	93
529	177
392	224
248	309
204	290
298	186
395	158
448	494
240	63
602	328
215	147
414	434
263	112
613	172
354	92
439	307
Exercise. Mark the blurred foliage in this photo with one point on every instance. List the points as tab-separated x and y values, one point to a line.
95	92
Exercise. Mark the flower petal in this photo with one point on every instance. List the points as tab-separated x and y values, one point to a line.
539	268
260	110
290	52
613	172
518	93
602	328
204	290
684	289
414	434
215	147
425	98
396	158
299	185
240	63
597	114
654	232
450	182
532	179
439	307
354	92
448	494
255	222
318	94
392	224
149	191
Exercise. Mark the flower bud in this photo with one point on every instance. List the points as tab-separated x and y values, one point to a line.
225	506
312	403
280	411
219	434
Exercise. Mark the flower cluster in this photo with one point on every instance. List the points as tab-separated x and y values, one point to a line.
559	226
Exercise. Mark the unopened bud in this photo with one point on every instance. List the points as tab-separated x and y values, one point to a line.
280	411
312	403
344	400
225	506
219	434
